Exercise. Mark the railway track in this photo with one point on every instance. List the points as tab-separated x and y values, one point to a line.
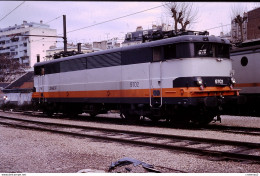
223	128
212	127
234	129
212	148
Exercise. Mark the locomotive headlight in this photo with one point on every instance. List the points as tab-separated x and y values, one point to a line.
199	81
233	81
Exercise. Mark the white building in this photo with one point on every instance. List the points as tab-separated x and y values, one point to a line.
14	43
113	43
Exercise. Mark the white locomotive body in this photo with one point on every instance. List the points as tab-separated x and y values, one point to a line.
245	62
184	78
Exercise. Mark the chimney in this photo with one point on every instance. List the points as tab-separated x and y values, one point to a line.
221	34
38	57
139	28
79	47
154	26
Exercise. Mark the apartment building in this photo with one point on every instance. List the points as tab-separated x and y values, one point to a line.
113	43
24	42
251	27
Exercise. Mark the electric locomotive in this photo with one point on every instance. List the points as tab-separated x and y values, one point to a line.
185	78
245	62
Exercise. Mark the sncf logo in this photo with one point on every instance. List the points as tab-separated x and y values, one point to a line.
219	81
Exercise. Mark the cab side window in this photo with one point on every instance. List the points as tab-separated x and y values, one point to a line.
170	51
157	54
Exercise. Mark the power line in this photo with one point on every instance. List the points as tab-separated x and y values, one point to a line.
46	23
228	24
12	11
116	18
217	27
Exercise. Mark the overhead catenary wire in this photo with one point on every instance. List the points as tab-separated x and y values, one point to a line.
12	11
46	23
131	15
217	27
227	24
116	18
41	25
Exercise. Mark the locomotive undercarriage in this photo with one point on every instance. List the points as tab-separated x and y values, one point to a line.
174	114
195	110
187	110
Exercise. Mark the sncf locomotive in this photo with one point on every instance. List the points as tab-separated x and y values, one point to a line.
246	66
186	78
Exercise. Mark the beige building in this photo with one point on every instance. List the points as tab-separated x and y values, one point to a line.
101	45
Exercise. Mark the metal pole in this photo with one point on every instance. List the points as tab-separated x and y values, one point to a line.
64	33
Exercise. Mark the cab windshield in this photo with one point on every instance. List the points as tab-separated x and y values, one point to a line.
211	50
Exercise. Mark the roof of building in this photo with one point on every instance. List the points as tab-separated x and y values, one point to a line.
255	9
3	85
22	84
68	47
25	24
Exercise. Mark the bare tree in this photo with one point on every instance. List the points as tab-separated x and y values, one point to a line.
238	15
9	69
183	13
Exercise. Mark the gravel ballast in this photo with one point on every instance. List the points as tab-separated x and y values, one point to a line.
26	151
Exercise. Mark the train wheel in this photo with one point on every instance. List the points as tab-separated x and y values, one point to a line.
130	118
49	113
179	118
153	119
179	123
127	113
93	114
71	111
48	109
203	119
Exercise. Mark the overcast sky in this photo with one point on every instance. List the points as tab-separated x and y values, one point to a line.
81	14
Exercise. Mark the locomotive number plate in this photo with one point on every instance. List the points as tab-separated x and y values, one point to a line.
52	88
134	84
219	81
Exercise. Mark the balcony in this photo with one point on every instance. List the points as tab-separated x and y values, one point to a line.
14	39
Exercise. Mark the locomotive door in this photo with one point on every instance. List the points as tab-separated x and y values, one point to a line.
41	83
155	77
155	84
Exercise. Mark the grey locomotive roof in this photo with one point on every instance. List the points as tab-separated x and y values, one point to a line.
245	50
178	39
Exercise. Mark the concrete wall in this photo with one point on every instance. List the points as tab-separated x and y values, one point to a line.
18	98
